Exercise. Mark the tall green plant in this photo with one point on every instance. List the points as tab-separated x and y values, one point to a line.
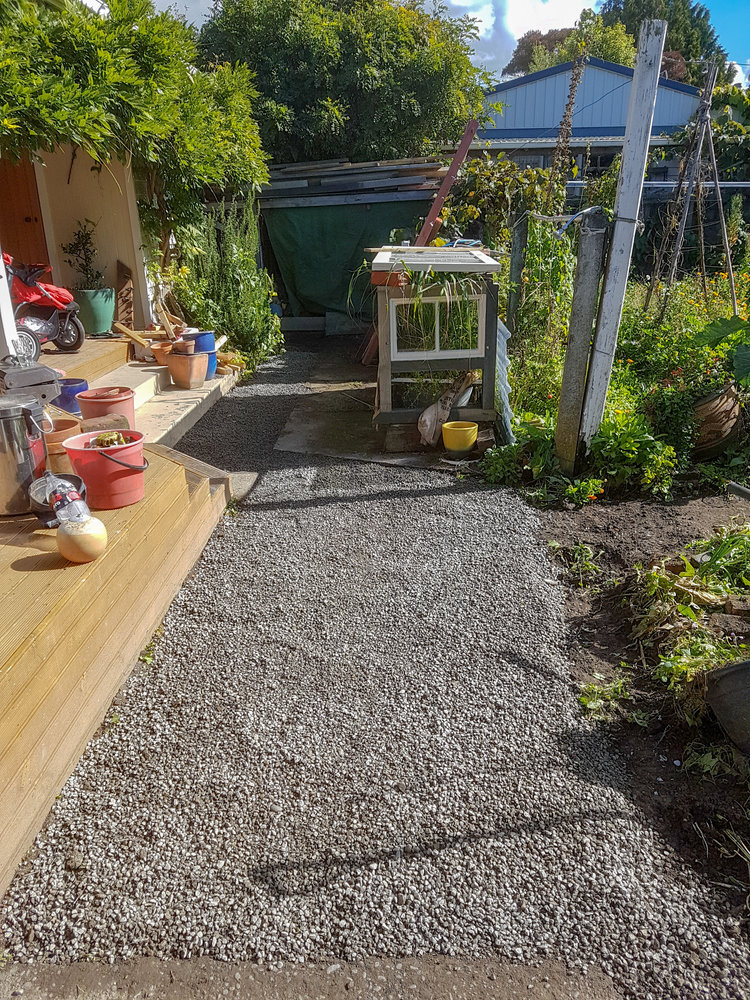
219	285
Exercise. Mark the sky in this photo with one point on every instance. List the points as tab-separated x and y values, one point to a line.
502	22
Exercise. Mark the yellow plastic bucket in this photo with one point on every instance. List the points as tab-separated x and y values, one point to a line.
460	436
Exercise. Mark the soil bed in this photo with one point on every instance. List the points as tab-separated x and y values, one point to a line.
688	809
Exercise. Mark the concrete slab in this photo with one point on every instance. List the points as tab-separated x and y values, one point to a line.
336	421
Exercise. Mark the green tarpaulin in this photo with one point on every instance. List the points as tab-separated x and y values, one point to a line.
318	250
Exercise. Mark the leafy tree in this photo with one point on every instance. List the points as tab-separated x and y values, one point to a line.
362	79
520	61
731	131
590	37
690	31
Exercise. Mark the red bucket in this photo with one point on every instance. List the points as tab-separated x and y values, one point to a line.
114	476
108	399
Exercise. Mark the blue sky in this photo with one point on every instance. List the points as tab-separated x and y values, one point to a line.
503	21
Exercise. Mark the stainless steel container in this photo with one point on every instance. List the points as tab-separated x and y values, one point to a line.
22	450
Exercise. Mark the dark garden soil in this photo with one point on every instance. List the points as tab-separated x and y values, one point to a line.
690	811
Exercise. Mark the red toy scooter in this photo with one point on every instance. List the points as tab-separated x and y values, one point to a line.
43	312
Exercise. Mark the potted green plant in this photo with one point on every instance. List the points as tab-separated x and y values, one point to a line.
97	302
719	413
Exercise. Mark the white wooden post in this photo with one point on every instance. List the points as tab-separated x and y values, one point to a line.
7	321
627	204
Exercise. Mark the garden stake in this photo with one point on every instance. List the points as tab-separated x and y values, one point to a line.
704	116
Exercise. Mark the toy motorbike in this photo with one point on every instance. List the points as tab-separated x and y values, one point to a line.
44	313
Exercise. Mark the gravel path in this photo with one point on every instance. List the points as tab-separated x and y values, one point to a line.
358	737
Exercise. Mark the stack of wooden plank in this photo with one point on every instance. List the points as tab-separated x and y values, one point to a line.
339	182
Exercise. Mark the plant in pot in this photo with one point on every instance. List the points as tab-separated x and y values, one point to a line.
697	407
97	302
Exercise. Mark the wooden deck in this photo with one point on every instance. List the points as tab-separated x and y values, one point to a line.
96	357
70	635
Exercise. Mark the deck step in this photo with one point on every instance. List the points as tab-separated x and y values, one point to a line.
77	632
170	414
145	380
163	412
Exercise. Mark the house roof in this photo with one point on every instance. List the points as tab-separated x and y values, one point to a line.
591	61
533	105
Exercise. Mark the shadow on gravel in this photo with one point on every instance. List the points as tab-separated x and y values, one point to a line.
239	432
295	878
452	489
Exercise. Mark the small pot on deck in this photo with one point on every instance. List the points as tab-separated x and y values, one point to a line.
161	350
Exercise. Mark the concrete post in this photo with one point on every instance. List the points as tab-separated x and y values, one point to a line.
520	239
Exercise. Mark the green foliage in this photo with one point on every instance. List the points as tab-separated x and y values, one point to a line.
520	61
671	609
733	335
690	31
578	560
600	700
487	192
365	79
671	411
81	254
125	86
714	760
214	141
625	451
731	132
726	556
624	455
218	283
591	37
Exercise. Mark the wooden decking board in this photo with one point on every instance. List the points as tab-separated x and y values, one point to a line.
96	358
80	616
66	702
102	675
48	578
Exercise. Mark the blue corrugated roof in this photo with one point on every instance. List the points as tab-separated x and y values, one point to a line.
600	63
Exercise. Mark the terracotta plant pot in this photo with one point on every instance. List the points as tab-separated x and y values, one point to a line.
161	350
188	371
183	347
718	417
57	456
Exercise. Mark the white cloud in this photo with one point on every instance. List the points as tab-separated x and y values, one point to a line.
540	14
483	11
741	74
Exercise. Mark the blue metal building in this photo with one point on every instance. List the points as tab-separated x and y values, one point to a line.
533	107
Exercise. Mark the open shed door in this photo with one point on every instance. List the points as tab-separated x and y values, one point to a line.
21	226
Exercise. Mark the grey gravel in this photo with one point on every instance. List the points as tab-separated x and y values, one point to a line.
359	737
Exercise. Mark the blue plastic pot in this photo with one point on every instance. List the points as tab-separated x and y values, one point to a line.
67	398
204	343
211	370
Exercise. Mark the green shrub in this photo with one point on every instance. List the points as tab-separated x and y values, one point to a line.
219	285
